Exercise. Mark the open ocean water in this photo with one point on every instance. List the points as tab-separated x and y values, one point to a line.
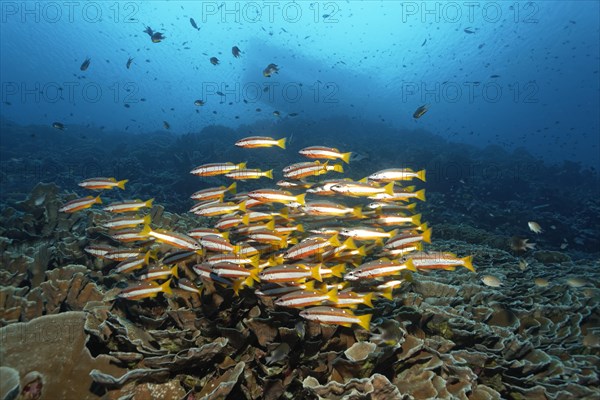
299	200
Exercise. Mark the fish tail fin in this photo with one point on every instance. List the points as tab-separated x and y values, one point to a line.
407	277
411	206
332	295
237	285
427	235
241	165
310	285
270	225
393	233
300	228
349	244
154	253
416	219
357	212
281	143
334	240
255	260
237	248
225	235
301	198
468	263
97	200
284	213
249	281
368	299
338	270
419	246
386	293
364	321
346	157
269	174
148	203
420	194
389	188
421	175
338	168
121	184
315	272
146	231
242	206
147	258
166	287
254	274
246	219
232	188
175	271
410	266
146	219
362	251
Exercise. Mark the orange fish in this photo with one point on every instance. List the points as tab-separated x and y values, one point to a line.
290	273
129	235
407	238
127	222
397	174
128	206
349	299
360	189
174	239
244	174
212	210
201	232
80	204
328	153
336	316
312	169
325	208
214	169
217	244
132	264
311	247
306	298
142	290
213	193
103	183
440	260
276	196
260	141
159	272
379	268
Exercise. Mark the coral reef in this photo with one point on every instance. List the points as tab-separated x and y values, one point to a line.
50	352
445	335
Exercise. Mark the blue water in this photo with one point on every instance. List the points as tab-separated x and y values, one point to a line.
510	142
513	74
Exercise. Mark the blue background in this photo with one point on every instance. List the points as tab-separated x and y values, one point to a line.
373	60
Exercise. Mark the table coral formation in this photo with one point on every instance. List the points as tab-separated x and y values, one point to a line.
442	334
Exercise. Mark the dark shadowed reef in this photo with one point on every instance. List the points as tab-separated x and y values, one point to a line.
443	334
488	189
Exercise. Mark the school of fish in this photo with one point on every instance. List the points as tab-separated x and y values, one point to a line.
331	255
